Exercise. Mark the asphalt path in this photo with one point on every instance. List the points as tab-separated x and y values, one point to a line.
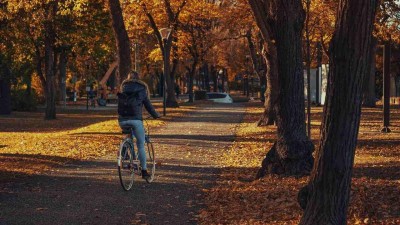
188	150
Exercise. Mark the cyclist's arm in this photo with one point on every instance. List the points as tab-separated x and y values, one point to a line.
150	108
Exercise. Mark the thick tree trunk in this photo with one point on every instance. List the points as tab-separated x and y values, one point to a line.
49	42
281	21
327	195
122	39
369	96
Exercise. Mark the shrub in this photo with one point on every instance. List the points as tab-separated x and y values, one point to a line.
22	101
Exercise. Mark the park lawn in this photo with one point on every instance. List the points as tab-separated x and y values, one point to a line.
30	145
239	199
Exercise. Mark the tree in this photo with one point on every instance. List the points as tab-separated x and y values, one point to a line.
41	36
264	65
369	95
327	194
198	36
172	18
5	95
50	64
281	24
121	37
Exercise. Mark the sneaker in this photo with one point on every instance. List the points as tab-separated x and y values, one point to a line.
145	174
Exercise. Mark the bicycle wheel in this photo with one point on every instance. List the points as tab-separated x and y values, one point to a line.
125	168
151	162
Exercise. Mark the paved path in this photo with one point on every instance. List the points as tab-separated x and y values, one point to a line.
188	150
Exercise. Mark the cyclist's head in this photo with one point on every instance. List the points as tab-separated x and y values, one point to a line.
133	75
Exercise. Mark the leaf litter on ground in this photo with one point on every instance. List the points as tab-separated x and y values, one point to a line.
240	199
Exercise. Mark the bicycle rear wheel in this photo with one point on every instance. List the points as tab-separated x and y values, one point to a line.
151	162
125	166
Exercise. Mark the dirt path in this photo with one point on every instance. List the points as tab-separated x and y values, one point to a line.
188	149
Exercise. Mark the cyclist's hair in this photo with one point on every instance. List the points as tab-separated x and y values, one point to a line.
133	75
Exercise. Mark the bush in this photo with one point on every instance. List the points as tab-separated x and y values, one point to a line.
200	95
21	101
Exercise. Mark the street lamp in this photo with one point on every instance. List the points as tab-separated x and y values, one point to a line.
165	33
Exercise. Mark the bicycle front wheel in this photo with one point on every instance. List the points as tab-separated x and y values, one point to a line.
151	162
125	166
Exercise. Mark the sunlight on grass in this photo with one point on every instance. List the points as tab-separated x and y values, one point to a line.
30	145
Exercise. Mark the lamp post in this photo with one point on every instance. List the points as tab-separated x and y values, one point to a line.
386	88
136	49
165	33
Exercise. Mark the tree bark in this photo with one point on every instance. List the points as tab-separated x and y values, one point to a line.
272	86
122	39
369	96
326	197
49	42
171	99
269	76
281	21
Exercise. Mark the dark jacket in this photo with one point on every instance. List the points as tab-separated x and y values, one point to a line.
142	98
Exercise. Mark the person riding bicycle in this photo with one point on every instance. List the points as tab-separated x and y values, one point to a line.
132	86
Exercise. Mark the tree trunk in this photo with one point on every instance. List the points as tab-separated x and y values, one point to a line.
122	39
326	197
214	77
281	21
272	86
206	77
5	92
63	75
192	71
49	42
268	61
171	98
369	97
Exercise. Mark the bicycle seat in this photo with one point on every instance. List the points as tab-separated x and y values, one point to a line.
126	129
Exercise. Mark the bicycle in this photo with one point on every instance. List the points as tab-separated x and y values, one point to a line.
128	163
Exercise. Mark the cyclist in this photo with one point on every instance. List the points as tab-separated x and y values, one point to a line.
133	85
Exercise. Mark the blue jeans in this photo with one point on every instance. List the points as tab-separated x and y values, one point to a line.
138	132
